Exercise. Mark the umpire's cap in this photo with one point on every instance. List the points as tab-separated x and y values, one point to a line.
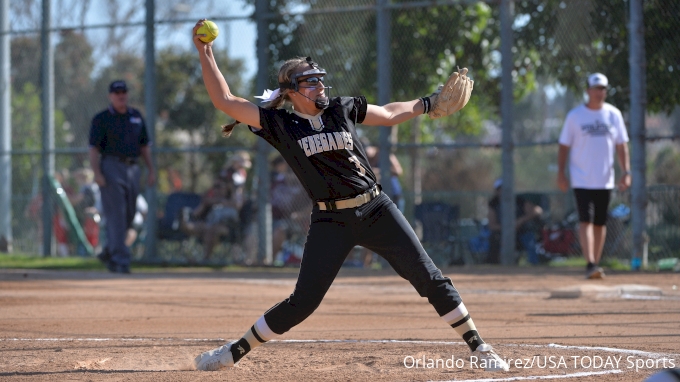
118	86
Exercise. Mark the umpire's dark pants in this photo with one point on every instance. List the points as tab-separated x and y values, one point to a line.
119	200
378	226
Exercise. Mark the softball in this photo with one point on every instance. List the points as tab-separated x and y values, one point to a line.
209	29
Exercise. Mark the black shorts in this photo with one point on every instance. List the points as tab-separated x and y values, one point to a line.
592	205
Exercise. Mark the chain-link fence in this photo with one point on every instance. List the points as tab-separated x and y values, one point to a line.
385	50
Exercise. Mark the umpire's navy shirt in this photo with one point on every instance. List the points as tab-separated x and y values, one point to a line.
119	134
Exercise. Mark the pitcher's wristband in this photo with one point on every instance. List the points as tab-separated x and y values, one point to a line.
426	104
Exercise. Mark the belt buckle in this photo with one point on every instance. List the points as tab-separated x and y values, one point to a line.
361	199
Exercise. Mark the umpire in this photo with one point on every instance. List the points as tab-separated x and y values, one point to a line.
118	136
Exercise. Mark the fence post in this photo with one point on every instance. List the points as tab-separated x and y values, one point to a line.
416	167
508	190
264	207
47	113
638	102
5	130
150	105
383	30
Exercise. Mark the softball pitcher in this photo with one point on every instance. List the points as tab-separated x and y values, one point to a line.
318	139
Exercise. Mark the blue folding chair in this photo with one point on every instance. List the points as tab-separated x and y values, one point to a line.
168	225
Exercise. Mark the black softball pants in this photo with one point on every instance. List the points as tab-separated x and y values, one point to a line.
378	226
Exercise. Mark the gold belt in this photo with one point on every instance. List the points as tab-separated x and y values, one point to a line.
354	202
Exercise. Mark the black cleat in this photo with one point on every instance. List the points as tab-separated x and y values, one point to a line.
104	256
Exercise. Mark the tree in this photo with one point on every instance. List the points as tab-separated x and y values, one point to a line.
73	64
187	108
26	93
427	45
72	84
578	37
25	61
665	169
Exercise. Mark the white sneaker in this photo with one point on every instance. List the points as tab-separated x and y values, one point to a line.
215	359
595	273
487	358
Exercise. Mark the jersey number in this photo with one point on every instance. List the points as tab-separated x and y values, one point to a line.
356	162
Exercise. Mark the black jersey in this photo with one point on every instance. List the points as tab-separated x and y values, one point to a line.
325	154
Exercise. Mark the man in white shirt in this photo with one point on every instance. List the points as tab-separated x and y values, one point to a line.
591	134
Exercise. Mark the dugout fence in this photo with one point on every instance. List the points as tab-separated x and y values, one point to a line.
58	68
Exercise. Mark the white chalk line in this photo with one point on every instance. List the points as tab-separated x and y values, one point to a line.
602	348
423	342
407	289
533	377
536	377
626	296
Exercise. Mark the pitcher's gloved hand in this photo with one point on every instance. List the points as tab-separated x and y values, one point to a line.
450	97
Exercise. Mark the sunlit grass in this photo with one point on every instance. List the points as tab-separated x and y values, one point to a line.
27	261
32	261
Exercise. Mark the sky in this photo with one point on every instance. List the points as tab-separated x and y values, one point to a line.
237	36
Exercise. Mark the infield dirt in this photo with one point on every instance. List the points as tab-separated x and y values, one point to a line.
372	326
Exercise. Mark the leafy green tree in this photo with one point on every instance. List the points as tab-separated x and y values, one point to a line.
665	168
578	37
428	43
73	85
26	121
26	93
27	135
186	107
189	108
25	61
128	67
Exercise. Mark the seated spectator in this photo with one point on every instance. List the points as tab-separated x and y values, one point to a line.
87	204
526	214
217	215
141	210
291	206
370	259
373	154
62	233
236	168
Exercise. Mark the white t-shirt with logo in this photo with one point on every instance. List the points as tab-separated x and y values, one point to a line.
592	136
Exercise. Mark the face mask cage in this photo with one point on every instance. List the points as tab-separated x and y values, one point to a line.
294	80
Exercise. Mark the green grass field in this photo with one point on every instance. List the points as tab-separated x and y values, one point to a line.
28	261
